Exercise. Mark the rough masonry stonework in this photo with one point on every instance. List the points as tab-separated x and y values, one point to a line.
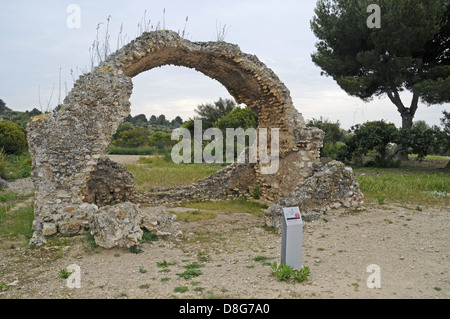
66	146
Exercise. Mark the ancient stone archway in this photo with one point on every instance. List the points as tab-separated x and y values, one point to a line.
66	146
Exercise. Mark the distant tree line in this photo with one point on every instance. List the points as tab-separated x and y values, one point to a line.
138	135
380	141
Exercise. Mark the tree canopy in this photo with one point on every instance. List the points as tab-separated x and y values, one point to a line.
408	52
209	113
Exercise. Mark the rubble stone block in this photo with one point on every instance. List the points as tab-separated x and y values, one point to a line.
117	226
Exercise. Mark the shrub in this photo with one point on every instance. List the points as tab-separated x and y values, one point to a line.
161	140
376	136
243	118
333	150
12	138
333	132
136	137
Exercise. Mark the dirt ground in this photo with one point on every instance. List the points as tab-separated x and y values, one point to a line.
235	251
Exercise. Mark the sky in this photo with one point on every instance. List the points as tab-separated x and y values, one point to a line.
43	46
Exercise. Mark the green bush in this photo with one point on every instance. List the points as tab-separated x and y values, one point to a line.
333	150
12	138
333	131
136	137
161	140
376	138
238	118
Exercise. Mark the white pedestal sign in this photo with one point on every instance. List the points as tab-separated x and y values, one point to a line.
292	236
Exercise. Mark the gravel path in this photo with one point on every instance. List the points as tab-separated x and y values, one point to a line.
411	249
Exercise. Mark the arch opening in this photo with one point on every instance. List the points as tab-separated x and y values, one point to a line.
154	92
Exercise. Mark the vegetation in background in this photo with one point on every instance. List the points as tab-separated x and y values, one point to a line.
376	136
17	117
333	142
367	62
211	112
156	171
405	185
379	140
12	138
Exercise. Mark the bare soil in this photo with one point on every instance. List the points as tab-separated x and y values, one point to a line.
235	251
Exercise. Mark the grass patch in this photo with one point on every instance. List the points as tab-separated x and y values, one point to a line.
142	270
181	289
261	258
164	264
156	171
135	250
14	167
134	150
404	185
435	157
190	273
13	197
194	215
16	223
3	286
239	205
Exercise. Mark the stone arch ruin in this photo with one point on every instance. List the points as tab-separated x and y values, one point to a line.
67	146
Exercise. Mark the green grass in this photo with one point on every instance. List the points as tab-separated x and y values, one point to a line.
239	205
14	167
405	185
155	171
181	289
135	150
16	223
436	157
194	215
164	264
12	196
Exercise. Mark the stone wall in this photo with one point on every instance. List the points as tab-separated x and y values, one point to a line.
110	183
234	181
66	146
333	186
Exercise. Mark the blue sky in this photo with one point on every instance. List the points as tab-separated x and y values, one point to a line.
37	43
